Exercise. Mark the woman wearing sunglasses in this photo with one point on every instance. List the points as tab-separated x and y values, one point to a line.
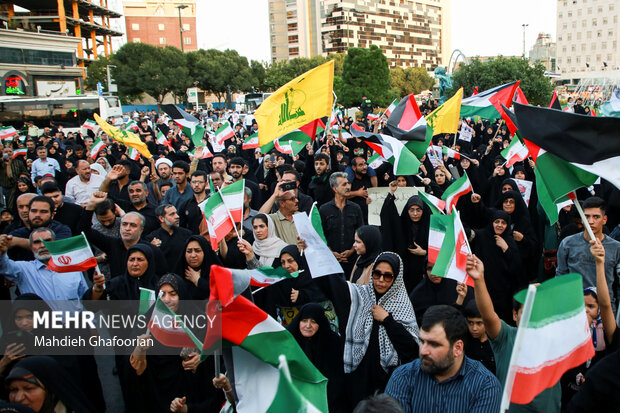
380	331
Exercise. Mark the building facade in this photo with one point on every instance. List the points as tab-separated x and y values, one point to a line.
588	39
412	33
158	23
543	52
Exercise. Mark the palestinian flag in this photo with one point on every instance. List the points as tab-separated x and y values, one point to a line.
437	232
147	299
507	114
356	126
288	398
553	337
98	145
344	133
312	128
452	258
436	205
133	154
169	329
258	342
7	132
588	143
519	96
70	254
487	104
555	101
20	152
232	196
515	152
450	153
612	108
223	133
218	219
186	121
456	189
406	122
390	148
251	142
317	222
474	91
89	124
391	108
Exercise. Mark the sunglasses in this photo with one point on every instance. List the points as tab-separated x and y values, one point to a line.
387	276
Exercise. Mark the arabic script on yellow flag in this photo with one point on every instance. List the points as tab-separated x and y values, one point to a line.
124	137
445	119
300	101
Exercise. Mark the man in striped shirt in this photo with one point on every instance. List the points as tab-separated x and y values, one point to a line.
443	379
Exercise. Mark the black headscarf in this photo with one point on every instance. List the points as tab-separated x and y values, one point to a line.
209	258
127	287
58	384
371	237
512	183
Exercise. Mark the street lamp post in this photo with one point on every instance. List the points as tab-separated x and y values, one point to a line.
180	7
524	25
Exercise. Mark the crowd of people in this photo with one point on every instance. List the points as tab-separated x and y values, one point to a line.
387	334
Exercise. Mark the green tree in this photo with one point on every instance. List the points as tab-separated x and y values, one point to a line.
259	73
536	87
410	80
142	68
365	72
96	72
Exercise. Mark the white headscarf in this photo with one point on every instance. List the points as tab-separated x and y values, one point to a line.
270	247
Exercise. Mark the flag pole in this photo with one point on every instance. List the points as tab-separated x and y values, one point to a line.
91	251
516	349
230	215
586	224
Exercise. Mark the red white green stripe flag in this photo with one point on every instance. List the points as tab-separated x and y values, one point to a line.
437	232
18	152
553	337
90	124
204	153
7	132
218	218
70	254
456	189
98	145
515	152
232	195
162	140
391	108
133	154
224	132
147	299
375	161
450	153
258	342
436	205
452	258
251	142
131	125
169	329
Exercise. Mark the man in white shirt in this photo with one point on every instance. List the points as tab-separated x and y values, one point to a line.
43	165
84	184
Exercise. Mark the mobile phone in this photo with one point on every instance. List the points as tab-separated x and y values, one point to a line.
272	158
288	186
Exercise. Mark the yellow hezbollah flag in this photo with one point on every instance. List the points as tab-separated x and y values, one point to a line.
124	137
300	101
445	119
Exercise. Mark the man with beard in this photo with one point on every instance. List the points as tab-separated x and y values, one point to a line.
443	374
82	186
64	212
33	276
191	215
218	164
236	169
137	196
169	237
180	193
164	170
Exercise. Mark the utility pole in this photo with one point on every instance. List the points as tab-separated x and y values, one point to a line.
180	7
524	25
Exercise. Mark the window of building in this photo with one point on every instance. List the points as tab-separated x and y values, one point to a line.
574	25
187	40
604	45
583	23
559	38
593	46
568	60
588	35
569	36
136	40
599	33
564	26
610	33
573	48
570	14
578	59
598	57
162	40
135	26
593	22
579	12
600	9
583	47
161	27
589	10
578	35
186	27
611	7
564	49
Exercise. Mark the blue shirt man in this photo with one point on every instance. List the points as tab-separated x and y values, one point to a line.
44	165
443	379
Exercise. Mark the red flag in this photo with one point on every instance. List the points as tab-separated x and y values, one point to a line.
474	91
555	102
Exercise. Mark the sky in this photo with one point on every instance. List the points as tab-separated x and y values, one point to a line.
479	27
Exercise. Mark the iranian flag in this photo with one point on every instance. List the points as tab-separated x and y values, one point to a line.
133	154
487	104
98	145
373	116
204	153
406	121
456	189
587	143
224	132
391	108
437	231
257	342
436	205
232	196
70	254
218	218
450	153
375	161
251	142
162	140
90	124
390	148
131	125
515	152
19	152
169	329
553	337
147	299
7	132
451	260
